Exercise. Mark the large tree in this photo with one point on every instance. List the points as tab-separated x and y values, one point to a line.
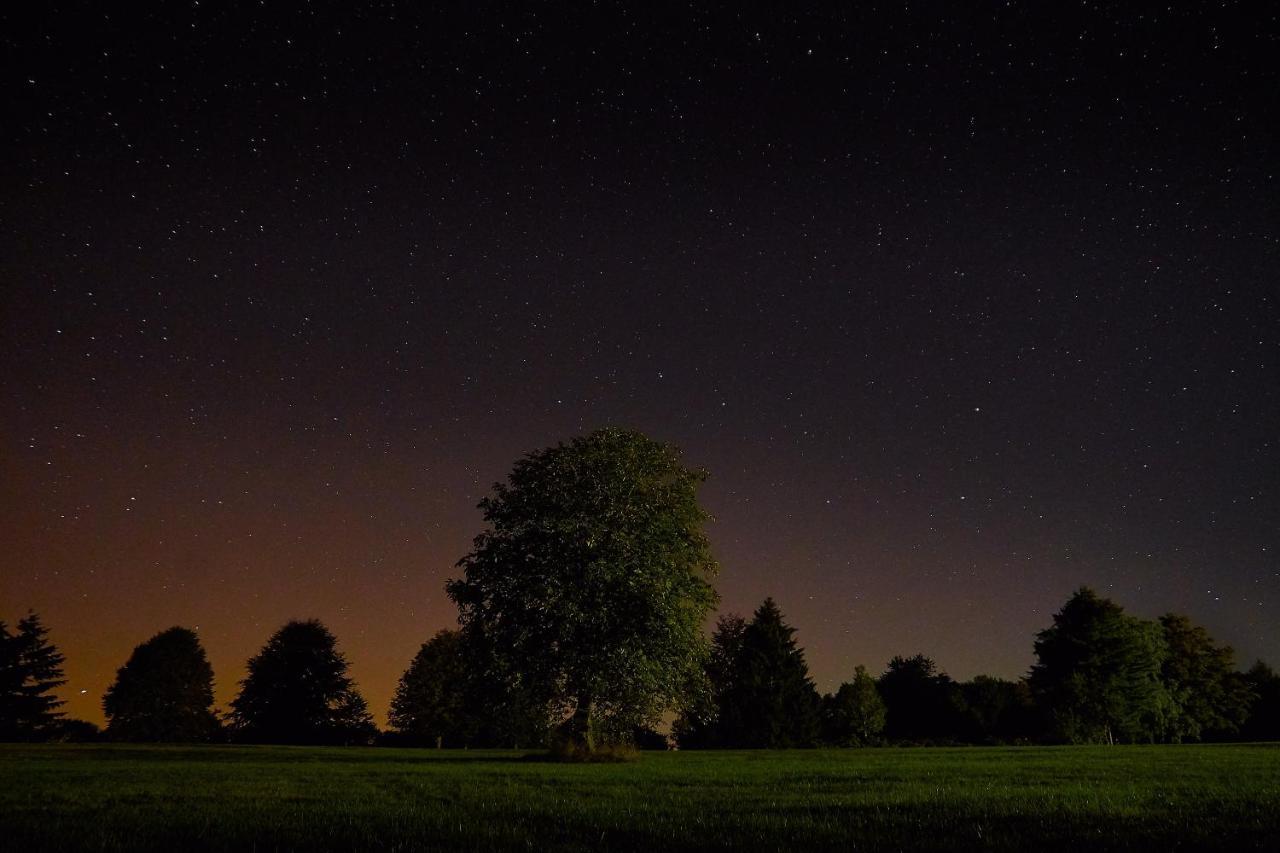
855	714
164	693
30	670
771	703
1098	673
1210	699
298	691
591	580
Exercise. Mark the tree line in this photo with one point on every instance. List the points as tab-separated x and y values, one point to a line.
582	608
1100	676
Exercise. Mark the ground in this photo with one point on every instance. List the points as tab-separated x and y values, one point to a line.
281	798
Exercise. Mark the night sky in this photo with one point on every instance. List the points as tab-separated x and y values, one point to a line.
962	306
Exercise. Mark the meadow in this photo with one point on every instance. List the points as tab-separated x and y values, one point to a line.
127	798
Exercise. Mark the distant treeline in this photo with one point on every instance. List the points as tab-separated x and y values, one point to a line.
1101	676
582	610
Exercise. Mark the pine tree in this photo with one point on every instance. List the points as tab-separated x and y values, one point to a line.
164	693
30	670
772	703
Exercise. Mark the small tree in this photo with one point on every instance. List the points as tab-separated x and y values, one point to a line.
1098	673
771	703
30	670
855	714
298	691
164	693
591	580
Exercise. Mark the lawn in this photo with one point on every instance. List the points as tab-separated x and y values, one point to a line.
282	798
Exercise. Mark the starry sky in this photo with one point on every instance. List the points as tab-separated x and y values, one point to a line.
961	305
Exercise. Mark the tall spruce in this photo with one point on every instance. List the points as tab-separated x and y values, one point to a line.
30	670
164	693
298	692
771	703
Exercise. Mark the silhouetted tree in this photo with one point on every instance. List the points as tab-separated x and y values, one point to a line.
447	698
164	693
1210	700
922	703
30	670
696	727
1263	722
298	691
997	711
590	581
1098	673
431	700
855	714
771	703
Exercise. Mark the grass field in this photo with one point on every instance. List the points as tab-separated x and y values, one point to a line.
282	798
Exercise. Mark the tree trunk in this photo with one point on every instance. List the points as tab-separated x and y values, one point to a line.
439	741
580	734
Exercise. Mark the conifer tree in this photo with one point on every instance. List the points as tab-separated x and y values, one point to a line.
771	703
30	670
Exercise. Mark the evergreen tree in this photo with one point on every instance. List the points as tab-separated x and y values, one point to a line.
164	693
771	702
30	670
697	726
1098	673
855	714
298	691
1210	700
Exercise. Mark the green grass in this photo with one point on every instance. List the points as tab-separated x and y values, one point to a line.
282	798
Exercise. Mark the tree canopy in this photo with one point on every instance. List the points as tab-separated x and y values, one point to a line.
298	691
164	693
855	714
1098	673
591	580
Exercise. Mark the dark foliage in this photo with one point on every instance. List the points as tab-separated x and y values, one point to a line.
855	714
298	692
30	670
1098	674
452	695
164	693
1263	720
590	582
770	701
923	704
